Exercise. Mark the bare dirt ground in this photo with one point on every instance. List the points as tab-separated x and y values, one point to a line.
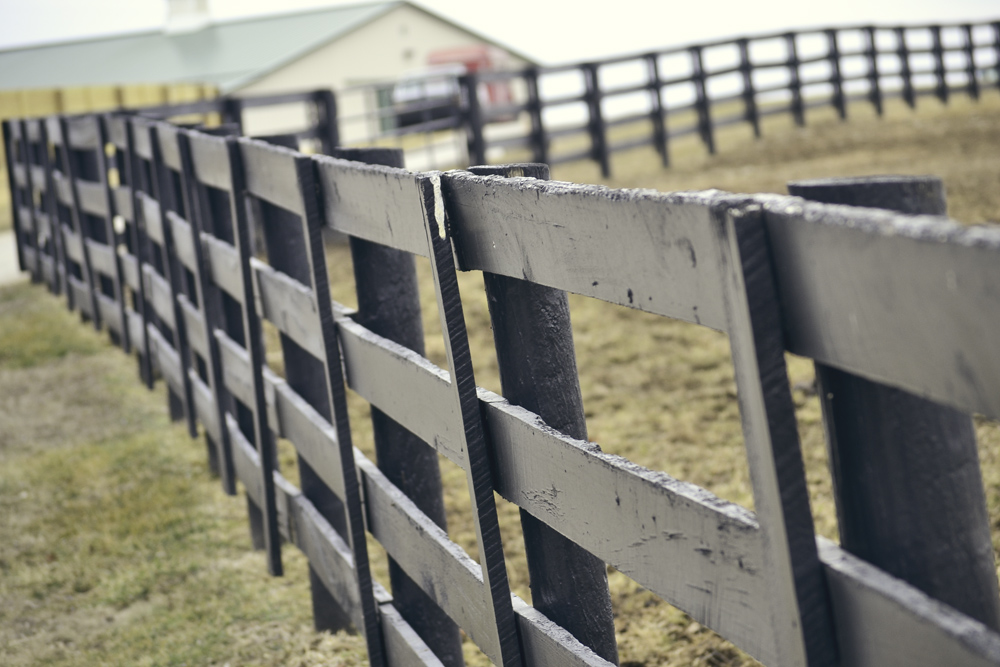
118	548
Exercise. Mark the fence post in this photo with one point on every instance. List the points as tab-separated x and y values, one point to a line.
326	121
389	305
596	125
794	80
473	118
539	143
874	87
996	50
836	77
657	110
701	101
906	476
904	68
537	363
938	50
749	92
970	63
232	112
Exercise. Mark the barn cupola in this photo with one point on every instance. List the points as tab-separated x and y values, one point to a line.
184	16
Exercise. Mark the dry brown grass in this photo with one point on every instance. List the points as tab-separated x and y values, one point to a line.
120	520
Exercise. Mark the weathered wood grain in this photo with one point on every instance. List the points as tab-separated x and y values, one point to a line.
271	174
314	438
236	369
223	265
159	294
289	305
940	303
577	238
102	257
373	202
194	326
182	241
884	622
92	198
167	360
404	385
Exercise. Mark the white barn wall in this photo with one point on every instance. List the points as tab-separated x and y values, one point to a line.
397	42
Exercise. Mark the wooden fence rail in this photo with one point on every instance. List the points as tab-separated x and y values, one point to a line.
163	255
595	109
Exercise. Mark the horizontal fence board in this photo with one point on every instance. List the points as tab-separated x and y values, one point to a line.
403	646
123	202
166	135
42	223
224	266
135	329
48	268
72	245
289	305
21	175
271	174
194	324
82	133
25	219
183	240
110	314
167	360
204	406
30	258
236	369
210	159
884	622
130	271
404	385
439	566
374	203
93	198
913	302
81	295
102	258
545	643
38	178
314	438
63	188
636	248
302	525
151	219
159	295
637	520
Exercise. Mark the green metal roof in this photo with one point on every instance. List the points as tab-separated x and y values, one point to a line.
229	55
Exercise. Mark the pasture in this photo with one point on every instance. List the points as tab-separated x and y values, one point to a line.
125	551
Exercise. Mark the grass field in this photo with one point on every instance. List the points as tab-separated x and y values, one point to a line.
118	548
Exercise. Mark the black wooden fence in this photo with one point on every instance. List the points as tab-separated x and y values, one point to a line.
594	109
899	312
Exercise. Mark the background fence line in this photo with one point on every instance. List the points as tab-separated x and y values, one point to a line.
773	273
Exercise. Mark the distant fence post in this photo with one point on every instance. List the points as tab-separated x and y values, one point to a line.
874	85
326	121
701	100
937	48
836	76
903	53
905	469
970	62
794	80
537	362
539	143
473	118
749	91
232	112
996	50
656	110
596	125
389	305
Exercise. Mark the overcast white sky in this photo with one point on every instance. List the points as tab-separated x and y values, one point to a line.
549	30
